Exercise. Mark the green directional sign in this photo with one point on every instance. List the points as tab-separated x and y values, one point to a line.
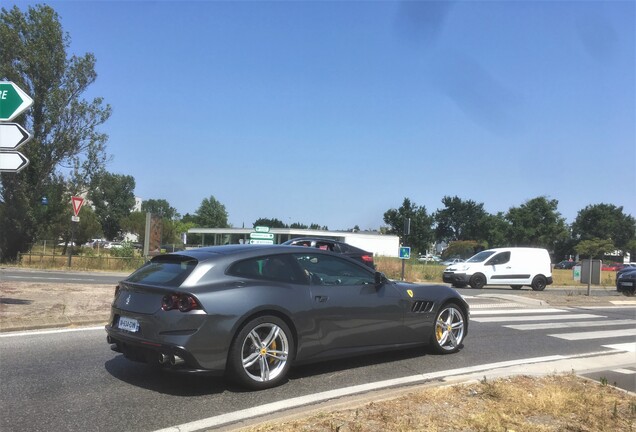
263	236
261	229
13	101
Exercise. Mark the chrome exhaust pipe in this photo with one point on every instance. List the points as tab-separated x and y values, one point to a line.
176	360
163	358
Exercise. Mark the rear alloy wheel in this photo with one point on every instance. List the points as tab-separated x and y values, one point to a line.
516	287
478	281
539	283
261	353
450	328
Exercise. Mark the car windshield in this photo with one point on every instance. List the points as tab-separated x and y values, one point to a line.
480	257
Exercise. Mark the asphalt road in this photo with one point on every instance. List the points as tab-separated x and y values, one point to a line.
84	278
72	381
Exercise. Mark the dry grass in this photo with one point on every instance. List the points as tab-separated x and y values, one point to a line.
553	403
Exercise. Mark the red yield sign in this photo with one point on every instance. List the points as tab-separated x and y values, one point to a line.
78	202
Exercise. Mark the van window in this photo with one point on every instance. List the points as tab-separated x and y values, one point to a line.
480	257
500	258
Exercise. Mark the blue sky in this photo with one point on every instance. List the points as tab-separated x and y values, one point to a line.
333	112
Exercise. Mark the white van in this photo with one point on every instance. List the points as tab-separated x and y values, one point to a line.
512	266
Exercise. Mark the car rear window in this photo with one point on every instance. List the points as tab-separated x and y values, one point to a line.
165	270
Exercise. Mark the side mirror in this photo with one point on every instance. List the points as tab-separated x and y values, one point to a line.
380	279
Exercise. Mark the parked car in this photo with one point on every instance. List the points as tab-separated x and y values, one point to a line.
611	267
452	261
512	266
334	246
626	281
429	258
253	311
567	265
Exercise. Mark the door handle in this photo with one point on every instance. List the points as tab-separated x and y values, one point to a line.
321	299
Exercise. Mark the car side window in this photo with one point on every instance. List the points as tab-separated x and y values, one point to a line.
273	267
333	270
500	258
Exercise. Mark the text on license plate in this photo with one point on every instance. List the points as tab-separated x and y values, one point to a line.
627	283
128	324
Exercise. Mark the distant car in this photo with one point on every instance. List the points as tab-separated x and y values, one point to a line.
452	261
429	258
626	281
567	265
334	246
612	267
626	267
254	311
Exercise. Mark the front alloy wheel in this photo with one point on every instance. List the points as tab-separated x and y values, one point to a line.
478	281
539	283
450	328
260	354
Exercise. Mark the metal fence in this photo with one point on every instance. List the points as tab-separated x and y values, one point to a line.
80	262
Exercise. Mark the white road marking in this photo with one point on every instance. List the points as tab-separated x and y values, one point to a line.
624	371
572	324
46	332
627	347
595	335
50	278
515	311
507	319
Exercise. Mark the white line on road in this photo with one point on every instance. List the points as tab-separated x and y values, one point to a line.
514	311
572	324
50	278
627	347
595	335
533	318
46	332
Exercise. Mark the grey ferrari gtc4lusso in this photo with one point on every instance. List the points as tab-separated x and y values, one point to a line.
254	311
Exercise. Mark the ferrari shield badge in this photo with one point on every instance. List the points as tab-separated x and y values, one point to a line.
410	293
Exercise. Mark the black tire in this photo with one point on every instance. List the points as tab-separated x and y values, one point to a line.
449	329
539	283
477	281
267	344
516	287
630	292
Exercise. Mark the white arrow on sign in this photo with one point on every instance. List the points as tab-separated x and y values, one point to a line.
12	136
12	161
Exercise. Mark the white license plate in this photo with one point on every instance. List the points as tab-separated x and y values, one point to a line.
627	284
128	324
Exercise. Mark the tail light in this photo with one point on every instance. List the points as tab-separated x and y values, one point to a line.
183	302
117	289
367	258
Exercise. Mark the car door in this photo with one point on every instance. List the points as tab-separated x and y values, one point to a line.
499	270
350	310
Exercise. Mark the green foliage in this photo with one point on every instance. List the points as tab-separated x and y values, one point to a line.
421	233
135	223
125	251
272	223
211	214
113	197
536	223
605	221
463	249
159	207
594	248
460	220
34	55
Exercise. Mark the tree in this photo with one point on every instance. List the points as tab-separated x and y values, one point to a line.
460	220
421	232
594	248
63	125
605	221
113	197
135	223
496	230
536	223
159	207
272	223
211	214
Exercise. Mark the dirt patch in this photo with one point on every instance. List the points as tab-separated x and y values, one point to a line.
553	403
24	302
